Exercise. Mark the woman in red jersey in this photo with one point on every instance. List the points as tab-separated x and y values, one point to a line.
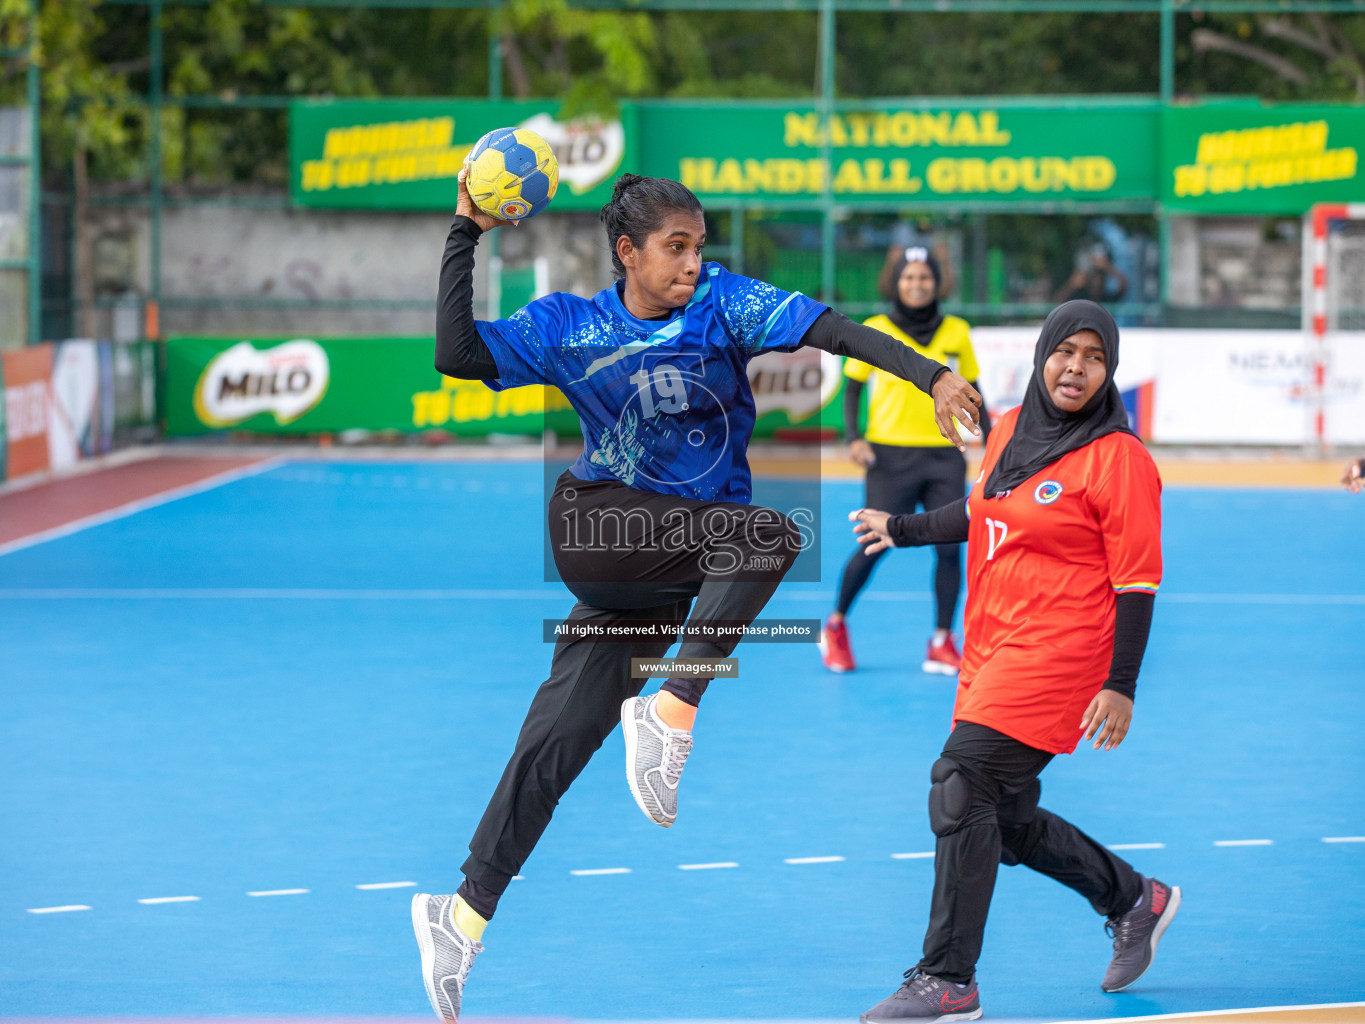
1063	532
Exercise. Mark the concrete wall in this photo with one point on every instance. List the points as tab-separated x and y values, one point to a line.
245	270
272	271
1243	263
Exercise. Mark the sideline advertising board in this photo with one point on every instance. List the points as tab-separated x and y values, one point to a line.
1252	158
1187	386
406	154
68	400
28	382
307	386
1180	386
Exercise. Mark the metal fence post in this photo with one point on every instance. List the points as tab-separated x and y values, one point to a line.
827	225
153	321
35	187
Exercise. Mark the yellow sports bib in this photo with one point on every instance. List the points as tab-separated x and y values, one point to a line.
898	412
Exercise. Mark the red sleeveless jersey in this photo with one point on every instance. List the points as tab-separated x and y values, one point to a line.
1043	566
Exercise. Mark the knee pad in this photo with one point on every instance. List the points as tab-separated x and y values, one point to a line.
950	795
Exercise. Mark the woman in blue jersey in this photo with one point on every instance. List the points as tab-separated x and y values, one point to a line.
655	514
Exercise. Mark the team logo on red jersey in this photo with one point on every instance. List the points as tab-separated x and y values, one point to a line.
1047	492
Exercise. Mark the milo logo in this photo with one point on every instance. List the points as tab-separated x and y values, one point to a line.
798	383
586	149
285	381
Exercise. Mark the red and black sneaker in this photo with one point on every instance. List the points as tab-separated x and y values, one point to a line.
943	658
927	999
1137	932
835	651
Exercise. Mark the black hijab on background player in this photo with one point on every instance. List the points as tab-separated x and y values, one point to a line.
1044	433
923	322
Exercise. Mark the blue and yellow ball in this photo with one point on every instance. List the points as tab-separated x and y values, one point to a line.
512	174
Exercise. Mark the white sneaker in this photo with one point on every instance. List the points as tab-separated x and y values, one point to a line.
655	756
447	952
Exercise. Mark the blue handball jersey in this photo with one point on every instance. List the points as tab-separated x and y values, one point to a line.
665	405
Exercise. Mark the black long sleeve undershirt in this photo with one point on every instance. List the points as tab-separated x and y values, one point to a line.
460	352
853	395
836	333
946	524
1132	627
1132	611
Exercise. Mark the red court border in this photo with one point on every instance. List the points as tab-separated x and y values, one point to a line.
63	505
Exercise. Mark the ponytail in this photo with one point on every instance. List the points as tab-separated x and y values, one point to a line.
638	207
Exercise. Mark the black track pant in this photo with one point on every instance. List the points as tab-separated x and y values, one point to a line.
994	818
900	481
627	555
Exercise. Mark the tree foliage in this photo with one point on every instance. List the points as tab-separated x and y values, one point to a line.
96	69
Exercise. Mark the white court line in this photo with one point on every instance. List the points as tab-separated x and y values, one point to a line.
58	910
269	593
140	505
278	892
1137	846
386	885
505	594
912	856
170	899
708	867
1243	842
601	871
812	860
1343	839
1178	598
1198	1014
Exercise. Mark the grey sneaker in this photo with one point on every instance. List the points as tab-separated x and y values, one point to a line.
447	952
1137	932
925	998
655	755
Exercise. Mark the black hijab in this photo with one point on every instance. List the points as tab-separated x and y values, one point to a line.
922	323
1044	433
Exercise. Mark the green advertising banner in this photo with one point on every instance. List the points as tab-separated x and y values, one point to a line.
310	387
306	386
1249	158
406	154
1003	153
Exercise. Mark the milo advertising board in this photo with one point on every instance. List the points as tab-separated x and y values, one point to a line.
308	386
406	154
313	386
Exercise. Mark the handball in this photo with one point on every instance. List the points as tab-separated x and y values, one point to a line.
512	174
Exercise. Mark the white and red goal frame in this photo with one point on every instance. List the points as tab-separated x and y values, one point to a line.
1318	319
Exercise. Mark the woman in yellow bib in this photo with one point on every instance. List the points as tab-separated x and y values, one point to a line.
909	463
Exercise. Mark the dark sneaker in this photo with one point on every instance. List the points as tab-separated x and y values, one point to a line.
927	999
1137	932
447	953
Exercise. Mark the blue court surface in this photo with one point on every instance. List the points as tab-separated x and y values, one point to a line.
276	693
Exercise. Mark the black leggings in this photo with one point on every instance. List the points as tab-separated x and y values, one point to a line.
984	809
901	479
628	556
619	548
